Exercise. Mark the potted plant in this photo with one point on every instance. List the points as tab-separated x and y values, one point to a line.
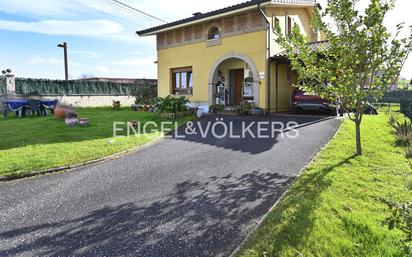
216	107
171	106
116	105
71	119
245	108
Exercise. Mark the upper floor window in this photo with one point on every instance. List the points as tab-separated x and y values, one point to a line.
289	24
275	22
213	33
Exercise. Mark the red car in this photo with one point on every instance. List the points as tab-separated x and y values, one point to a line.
302	101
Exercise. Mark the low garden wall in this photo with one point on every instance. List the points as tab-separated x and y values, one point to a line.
91	100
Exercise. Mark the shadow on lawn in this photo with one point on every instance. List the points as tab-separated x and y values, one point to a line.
295	214
205	218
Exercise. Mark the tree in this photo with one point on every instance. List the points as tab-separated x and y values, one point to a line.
360	61
6	72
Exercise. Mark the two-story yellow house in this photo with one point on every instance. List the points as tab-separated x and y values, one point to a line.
230	55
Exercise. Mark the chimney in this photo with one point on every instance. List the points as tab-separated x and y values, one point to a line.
197	14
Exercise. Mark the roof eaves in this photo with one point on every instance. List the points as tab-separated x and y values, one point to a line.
201	16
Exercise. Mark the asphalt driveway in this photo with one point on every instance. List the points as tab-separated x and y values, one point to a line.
180	197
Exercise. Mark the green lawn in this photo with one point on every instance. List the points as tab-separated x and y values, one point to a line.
335	207
35	143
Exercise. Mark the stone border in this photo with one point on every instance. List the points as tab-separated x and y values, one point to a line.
23	175
300	173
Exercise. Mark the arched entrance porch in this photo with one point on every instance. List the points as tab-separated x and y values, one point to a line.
238	74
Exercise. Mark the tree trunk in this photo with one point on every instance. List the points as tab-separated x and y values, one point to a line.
358	137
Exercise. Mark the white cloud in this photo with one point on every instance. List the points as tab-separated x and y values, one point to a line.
135	62
87	54
51	61
101	69
60	27
39	8
44	60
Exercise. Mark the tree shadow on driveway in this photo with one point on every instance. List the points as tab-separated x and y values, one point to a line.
231	133
291	223
200	218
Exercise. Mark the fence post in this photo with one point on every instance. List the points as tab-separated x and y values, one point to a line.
10	85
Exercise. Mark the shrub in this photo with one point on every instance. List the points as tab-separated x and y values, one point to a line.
404	132
245	108
171	107
392	119
144	95
408	152
216	107
401	218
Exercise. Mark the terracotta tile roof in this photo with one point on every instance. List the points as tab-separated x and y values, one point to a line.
319	45
315	46
198	16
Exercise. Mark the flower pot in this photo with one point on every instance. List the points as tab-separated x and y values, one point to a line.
133	124
258	111
84	122
116	105
60	112
71	122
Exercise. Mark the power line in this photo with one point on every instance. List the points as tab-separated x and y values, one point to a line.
128	11
108	13
137	10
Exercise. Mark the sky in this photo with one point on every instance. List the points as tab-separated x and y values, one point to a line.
101	36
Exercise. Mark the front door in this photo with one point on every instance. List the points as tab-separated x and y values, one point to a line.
237	77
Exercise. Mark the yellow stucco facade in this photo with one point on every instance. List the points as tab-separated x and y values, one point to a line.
202	58
243	43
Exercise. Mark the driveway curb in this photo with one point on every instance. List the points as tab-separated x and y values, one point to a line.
117	155
300	173
90	162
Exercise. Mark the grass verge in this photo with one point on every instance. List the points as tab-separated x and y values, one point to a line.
335	207
36	143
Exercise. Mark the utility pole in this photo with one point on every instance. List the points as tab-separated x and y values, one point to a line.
66	68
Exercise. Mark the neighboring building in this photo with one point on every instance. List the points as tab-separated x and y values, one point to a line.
234	47
152	82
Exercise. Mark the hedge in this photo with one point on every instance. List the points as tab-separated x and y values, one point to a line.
78	87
